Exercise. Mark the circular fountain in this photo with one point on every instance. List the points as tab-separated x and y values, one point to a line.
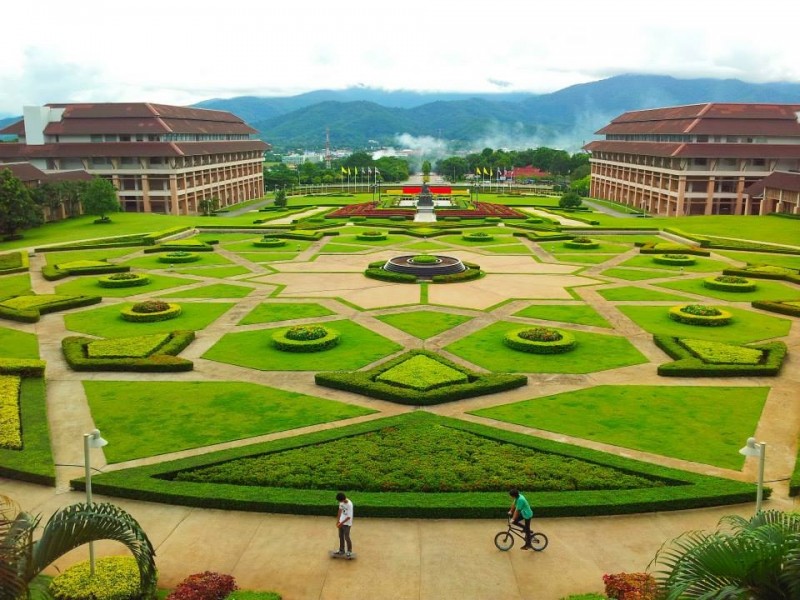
425	266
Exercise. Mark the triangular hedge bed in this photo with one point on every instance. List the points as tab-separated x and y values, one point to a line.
689	364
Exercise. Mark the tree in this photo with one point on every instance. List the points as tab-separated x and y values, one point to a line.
570	200
22	558
581	186
757	558
208	205
17	208
280	198
99	198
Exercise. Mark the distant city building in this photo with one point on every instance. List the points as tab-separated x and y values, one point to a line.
696	160
161	159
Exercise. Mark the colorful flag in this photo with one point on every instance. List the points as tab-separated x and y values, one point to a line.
485	171
344	171
376	171
477	170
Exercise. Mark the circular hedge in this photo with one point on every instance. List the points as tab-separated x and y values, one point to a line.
122	280
698	314
674	259
425	259
371	235
179	256
151	311
269	242
729	283
540	340
305	338
582	243
478	236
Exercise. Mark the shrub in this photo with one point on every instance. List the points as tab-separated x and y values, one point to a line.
784	308
121	280
473	271
698	314
729	283
269	242
10	426
631	586
305	338
150	306
13	262
424	259
582	243
24	367
162	359
540	340
115	578
11	308
674	259
54	273
704	360
493	219
371	235
151	311
204	586
181	256
478	236
380	273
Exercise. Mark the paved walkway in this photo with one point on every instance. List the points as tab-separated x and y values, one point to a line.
414	559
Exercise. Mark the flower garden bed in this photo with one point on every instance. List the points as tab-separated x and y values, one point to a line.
729	283
151	311
679	260
581	243
123	280
305	338
180	256
155	353
697	314
540	340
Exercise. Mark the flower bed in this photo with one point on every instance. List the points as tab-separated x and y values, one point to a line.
305	338
180	256
371	236
581	243
697	314
540	340
115	578
204	586
729	283
10	426
269	242
680	260
122	280
151	311
154	353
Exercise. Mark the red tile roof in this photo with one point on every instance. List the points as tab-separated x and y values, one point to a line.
695	150
777	180
135	149
26	172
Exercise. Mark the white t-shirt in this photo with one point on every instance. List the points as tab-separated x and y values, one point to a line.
346	509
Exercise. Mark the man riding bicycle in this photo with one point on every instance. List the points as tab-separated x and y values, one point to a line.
521	511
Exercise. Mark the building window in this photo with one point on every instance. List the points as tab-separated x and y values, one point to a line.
124	138
139	137
701	162
702	139
96	139
759	162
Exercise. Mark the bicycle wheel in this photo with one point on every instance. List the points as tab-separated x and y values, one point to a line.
504	540
538	541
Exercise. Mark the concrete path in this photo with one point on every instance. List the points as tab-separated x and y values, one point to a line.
399	559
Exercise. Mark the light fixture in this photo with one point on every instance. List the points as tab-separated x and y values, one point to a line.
91	440
759	449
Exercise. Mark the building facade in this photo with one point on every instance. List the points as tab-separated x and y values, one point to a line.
695	160
161	159
779	192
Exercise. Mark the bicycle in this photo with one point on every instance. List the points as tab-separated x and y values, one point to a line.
505	539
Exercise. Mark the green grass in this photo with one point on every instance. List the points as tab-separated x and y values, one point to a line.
424	324
622	294
604	247
18	344
508	249
152	418
747	326
585	259
594	352
353	240
424	246
219	272
633	274
701	265
88	286
580	314
107	322
35	461
776	260
15	285
151	261
219	290
498	240
342	248
699	424
357	348
265	257
290	247
225	238
56	258
274	312
765	290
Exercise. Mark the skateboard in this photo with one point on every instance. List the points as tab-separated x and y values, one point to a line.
335	554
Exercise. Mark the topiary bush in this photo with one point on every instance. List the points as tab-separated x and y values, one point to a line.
181	256
371	235
123	280
269	242
204	586
115	578
631	586
305	338
698	314
151	311
679	260
582	243
540	340
477	236
424	259
729	283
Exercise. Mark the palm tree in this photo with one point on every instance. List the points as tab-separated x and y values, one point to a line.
756	558
22	558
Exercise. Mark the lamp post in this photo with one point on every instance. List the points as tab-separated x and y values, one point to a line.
759	449
91	440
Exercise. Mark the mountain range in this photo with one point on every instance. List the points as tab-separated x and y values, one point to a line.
361	117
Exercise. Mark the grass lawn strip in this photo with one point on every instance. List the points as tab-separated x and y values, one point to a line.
219	272
18	344
580	314
699	424
14	285
424	324
763	258
153	418
88	286
765	290
276	312
633	274
629	293
10	426
219	290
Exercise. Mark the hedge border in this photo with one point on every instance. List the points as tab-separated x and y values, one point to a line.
52	273
107	282
371	238
688	365
24	264
567	343
155	483
471	236
777	307
761	275
24	367
172	312
581	245
720	320
741	288
178	257
269	243
32	315
163	360
285	344
666	259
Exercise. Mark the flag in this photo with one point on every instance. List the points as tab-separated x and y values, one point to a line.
485	171
477	170
355	171
344	171
499	172
376	171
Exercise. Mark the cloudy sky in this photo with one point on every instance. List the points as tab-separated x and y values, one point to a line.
182	52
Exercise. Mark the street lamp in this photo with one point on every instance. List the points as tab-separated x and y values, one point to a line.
759	449
91	440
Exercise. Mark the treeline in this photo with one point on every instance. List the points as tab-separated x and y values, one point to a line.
559	163
361	166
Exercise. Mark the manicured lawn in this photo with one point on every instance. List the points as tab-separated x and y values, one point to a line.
265	257
508	249
604	247
342	248
424	324
245	246
152	418
88	286
701	265
278	311
459	241
633	274
580	314
424	246
219	290
747	326
15	285
699	424
107	322
18	344
357	348
225	238
765	290
765	229
55	258
763	258
621	294
595	352
219	272
151	261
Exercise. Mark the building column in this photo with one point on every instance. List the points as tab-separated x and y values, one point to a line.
146	194
679	210
173	194
709	208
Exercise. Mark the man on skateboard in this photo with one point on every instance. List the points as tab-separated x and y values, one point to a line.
344	521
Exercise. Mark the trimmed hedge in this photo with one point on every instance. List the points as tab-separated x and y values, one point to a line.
384	275
784	308
151	238
24	367
163	360
514	340
688	365
33	314
269	243
366	383
669	248
371	236
576	243
53	273
178	248
473	272
14	262
728	283
131	280
178	257
282	342
477	237
766	272
685	490
677	313
678	260
129	314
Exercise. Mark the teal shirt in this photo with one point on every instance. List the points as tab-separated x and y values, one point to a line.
523	507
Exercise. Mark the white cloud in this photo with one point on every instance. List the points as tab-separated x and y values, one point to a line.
183	52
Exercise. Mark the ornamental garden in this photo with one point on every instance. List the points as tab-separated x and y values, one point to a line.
300	335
